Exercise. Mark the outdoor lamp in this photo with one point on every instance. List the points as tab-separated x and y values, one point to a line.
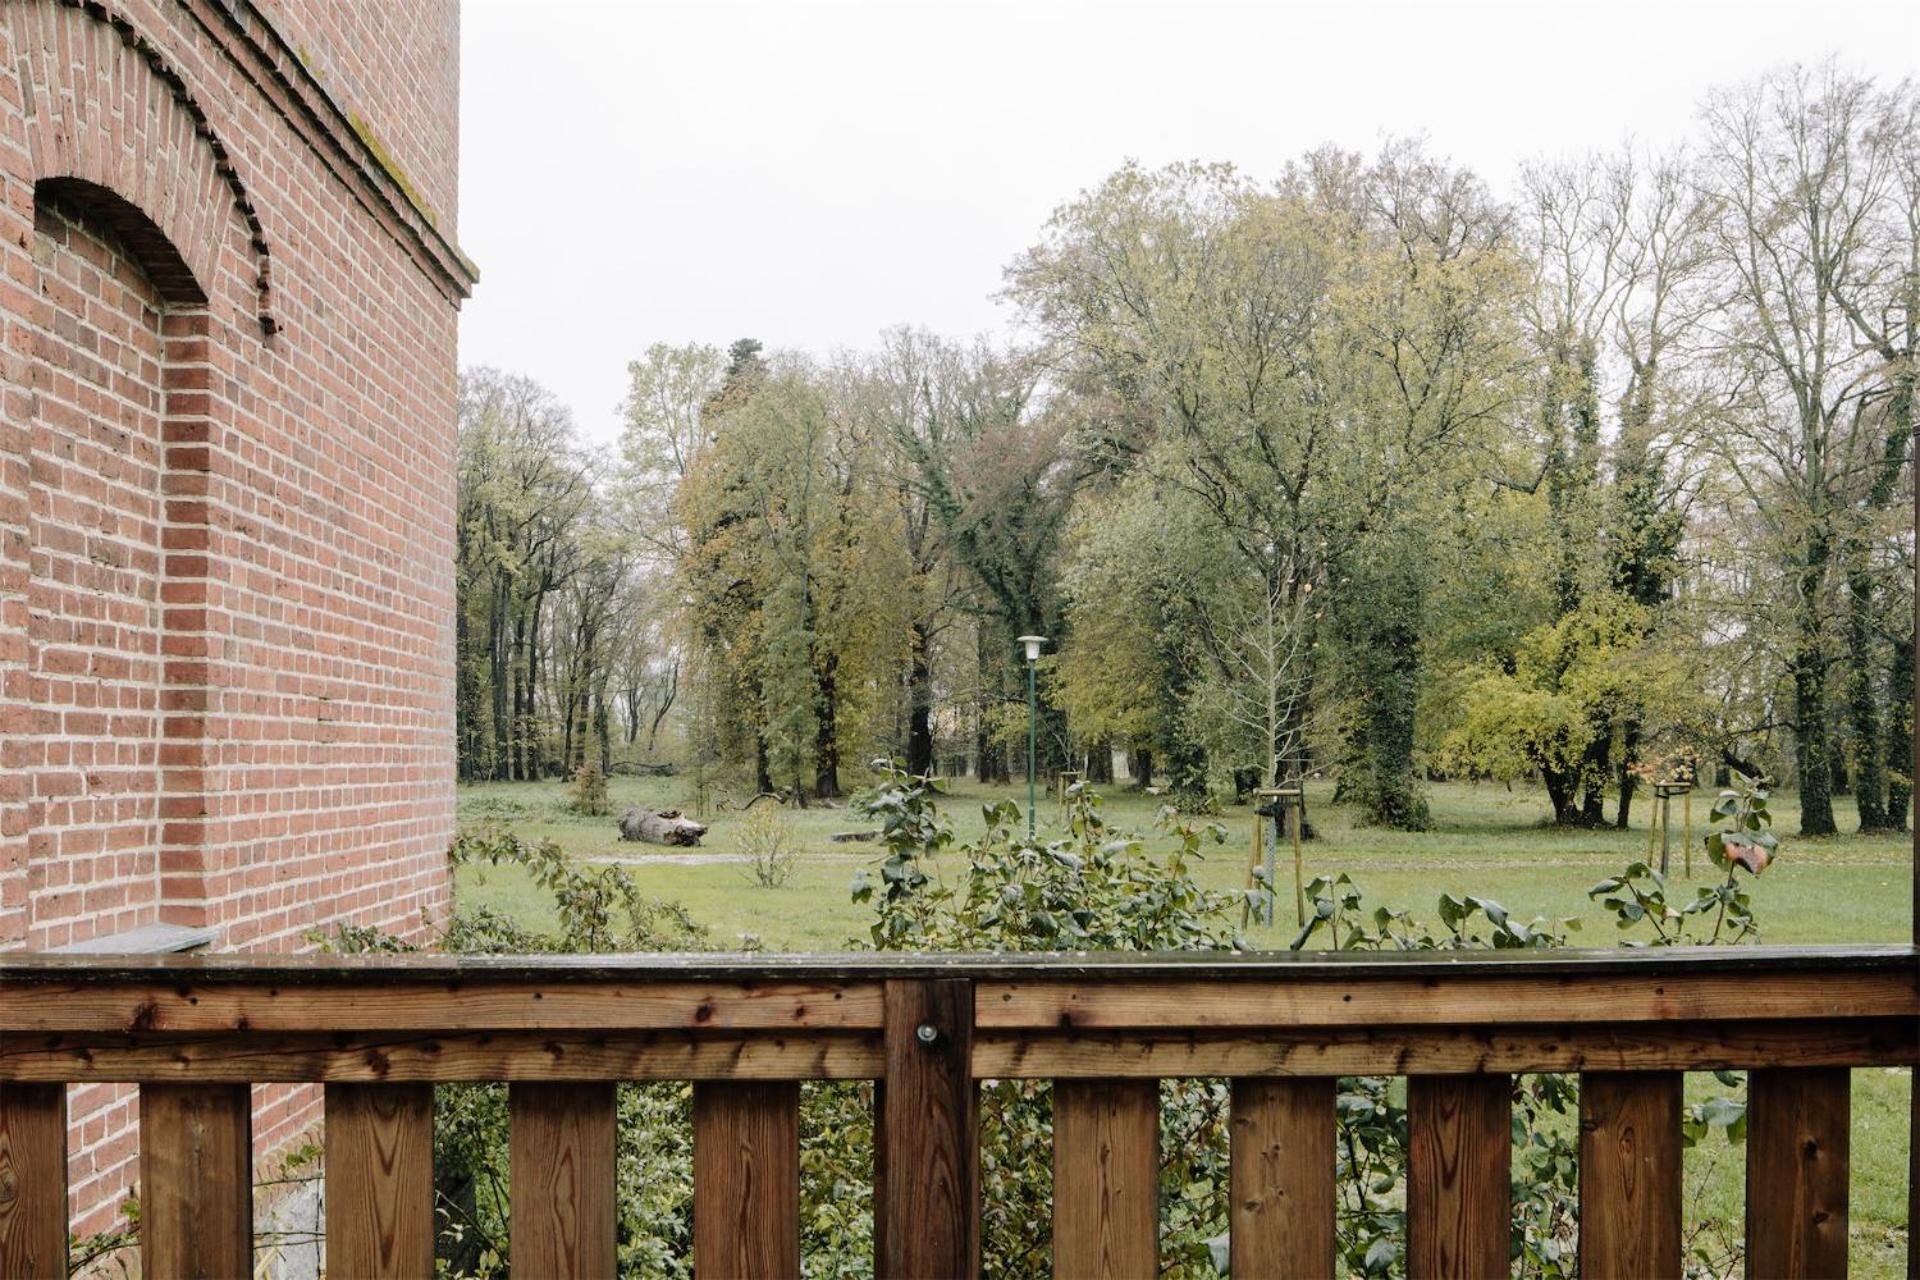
1033	644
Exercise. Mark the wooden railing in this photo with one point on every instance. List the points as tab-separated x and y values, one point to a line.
381	1032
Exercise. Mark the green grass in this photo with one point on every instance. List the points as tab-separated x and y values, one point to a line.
1486	840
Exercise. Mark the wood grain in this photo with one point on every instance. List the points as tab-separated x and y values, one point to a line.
33	1181
1106	1179
560	1216
1282	1199
1459	1154
435	969
1630	1174
457	1006
370	1057
196	1184
379	1180
426	1057
746	1180
1464	1050
1797	1158
1386	1000
927	1157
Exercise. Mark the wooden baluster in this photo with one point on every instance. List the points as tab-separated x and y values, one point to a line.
927	1154
1282	1203
1459	1160
1797	1130
33	1181
560	1216
1106	1179
379	1143
196	1181
1630	1173
746	1180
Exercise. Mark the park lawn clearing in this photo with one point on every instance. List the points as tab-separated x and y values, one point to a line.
1487	840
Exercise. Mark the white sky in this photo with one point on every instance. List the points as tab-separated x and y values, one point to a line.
808	173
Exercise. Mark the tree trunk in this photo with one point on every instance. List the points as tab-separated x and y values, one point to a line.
1811	736
1140	767
762	771
1624	779
826	742
1378	772
919	702
664	826
667	698
1100	763
602	729
1593	777
1560	793
1899	751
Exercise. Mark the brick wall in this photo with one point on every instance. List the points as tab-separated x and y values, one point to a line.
227	419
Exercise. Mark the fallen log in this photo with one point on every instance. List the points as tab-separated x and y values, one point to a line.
853	837
644	769
660	826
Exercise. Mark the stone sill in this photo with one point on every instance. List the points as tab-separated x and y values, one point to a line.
147	940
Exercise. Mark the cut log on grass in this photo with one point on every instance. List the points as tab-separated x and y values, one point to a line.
662	826
853	837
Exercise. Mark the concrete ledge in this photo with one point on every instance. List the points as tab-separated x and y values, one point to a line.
147	940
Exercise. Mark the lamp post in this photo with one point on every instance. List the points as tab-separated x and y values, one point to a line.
1033	644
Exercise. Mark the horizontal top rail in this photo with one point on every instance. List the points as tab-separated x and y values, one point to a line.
307	970
194	1032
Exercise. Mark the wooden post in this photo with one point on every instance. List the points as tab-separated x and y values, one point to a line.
33	1181
561	1218
1263	855
927	1152
1282	1173
1797	1156
1106	1179
1686	844
746	1178
379	1180
1665	793
1459	1157
1290	803
1065	782
1630	1173
196	1181
1297	813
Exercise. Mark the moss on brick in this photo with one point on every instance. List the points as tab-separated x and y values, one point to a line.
391	167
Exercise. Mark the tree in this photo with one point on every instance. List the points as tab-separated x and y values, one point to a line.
524	486
985	489
1292	359
790	573
1804	171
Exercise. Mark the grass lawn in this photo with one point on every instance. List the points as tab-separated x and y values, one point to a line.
1486	840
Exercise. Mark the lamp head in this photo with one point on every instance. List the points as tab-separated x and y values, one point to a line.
1033	644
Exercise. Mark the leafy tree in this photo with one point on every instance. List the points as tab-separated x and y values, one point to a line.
1804	167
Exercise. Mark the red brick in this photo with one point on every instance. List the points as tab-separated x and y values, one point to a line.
226	483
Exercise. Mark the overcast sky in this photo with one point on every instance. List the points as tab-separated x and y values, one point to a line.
810	173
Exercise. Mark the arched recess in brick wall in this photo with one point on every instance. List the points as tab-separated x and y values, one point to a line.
108	285
101	103
149	278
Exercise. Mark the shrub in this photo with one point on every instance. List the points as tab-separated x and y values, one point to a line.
768	845
1094	889
590	796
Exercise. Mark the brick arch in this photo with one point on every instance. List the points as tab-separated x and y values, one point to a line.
102	105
